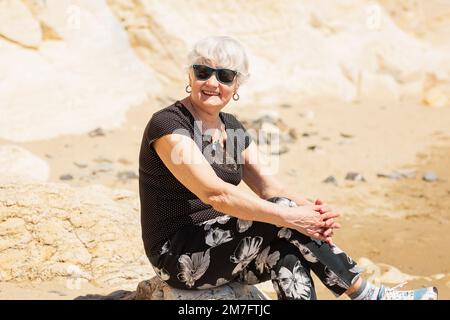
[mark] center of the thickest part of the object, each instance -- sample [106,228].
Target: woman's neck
[209,120]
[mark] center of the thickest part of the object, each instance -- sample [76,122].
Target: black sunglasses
[203,73]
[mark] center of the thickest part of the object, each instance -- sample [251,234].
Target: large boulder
[17,163]
[155,289]
[355,50]
[66,67]
[52,230]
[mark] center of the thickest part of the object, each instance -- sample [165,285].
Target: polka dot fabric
[166,204]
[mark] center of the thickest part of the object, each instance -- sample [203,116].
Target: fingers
[321,208]
[318,236]
[328,233]
[329,223]
[329,215]
[318,202]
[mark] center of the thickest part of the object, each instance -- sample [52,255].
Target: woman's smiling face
[210,94]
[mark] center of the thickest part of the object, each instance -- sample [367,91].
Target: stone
[429,176]
[66,177]
[354,176]
[17,24]
[21,163]
[53,230]
[392,55]
[155,289]
[127,175]
[330,179]
[398,174]
[96,133]
[80,165]
[435,97]
[83,67]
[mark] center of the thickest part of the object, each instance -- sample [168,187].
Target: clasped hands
[328,216]
[316,220]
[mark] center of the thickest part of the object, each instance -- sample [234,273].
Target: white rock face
[351,50]
[65,67]
[15,18]
[50,230]
[17,162]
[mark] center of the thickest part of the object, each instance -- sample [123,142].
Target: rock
[379,273]
[53,230]
[65,61]
[435,97]
[70,56]
[103,167]
[127,175]
[271,134]
[309,134]
[155,289]
[385,85]
[116,295]
[398,174]
[330,179]
[80,165]
[346,135]
[354,176]
[124,161]
[66,177]
[429,176]
[17,24]
[18,162]
[96,133]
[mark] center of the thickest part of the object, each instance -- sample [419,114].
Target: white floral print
[243,225]
[307,254]
[266,261]
[245,252]
[285,233]
[221,219]
[219,282]
[295,284]
[216,236]
[162,273]
[165,248]
[332,279]
[336,250]
[192,268]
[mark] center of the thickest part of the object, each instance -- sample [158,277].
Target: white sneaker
[430,293]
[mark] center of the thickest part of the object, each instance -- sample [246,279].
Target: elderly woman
[200,230]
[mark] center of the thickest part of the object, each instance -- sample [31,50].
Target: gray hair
[226,52]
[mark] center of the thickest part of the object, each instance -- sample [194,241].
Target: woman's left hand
[330,224]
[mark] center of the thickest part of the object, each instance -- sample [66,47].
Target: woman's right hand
[308,220]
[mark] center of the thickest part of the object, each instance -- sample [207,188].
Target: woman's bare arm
[183,158]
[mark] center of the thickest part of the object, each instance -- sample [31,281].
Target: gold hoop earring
[236,96]
[187,88]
